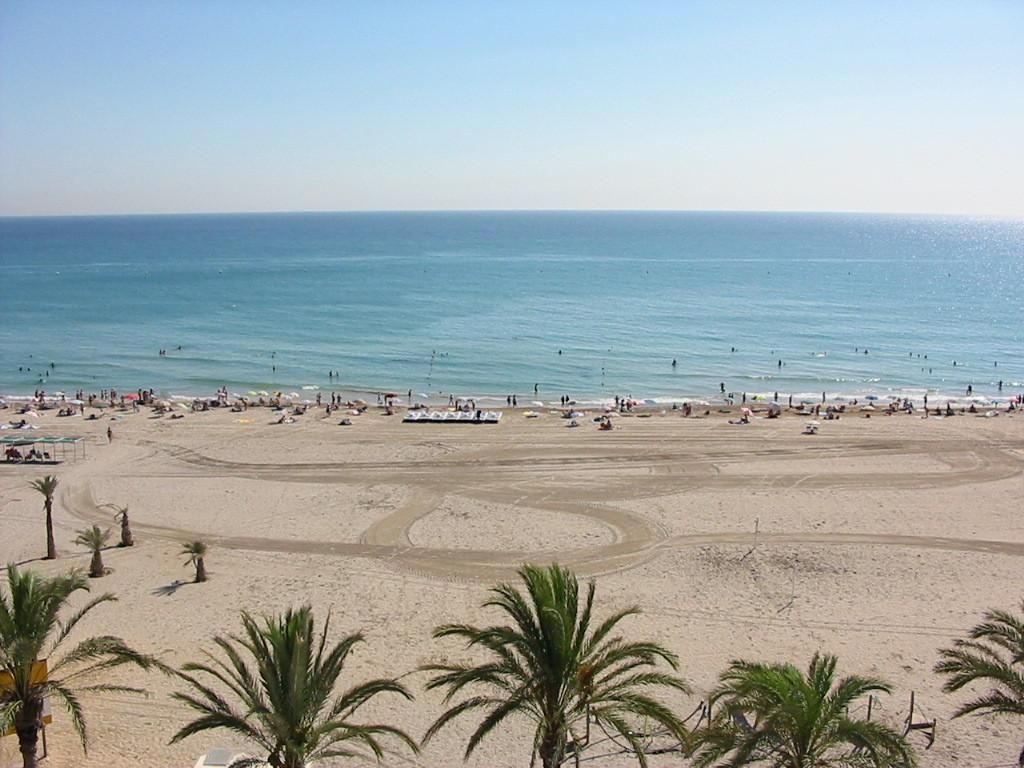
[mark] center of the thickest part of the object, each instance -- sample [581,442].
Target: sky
[240,105]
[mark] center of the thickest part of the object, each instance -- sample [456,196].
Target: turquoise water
[482,304]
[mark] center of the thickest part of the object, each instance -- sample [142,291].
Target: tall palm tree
[798,720]
[287,703]
[95,539]
[48,486]
[992,654]
[550,665]
[196,551]
[121,516]
[31,631]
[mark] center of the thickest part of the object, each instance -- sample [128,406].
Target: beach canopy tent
[46,445]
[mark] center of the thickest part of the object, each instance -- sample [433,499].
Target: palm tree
[993,654]
[95,539]
[799,721]
[48,486]
[551,666]
[196,551]
[30,631]
[287,702]
[121,516]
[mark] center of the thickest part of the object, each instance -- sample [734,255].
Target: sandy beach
[876,539]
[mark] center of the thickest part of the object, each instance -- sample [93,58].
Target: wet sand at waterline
[879,540]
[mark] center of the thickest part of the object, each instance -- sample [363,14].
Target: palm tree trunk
[27,727]
[126,534]
[200,570]
[552,749]
[51,546]
[96,568]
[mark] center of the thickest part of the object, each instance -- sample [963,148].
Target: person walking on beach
[536,388]
[515,402]
[110,435]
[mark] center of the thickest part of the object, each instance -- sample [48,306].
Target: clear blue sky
[251,105]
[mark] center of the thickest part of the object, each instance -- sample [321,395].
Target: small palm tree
[48,487]
[121,516]
[551,666]
[799,721]
[288,706]
[31,631]
[95,539]
[993,654]
[196,551]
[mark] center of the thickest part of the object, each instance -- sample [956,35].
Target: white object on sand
[218,757]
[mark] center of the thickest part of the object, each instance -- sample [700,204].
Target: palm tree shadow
[169,589]
[30,560]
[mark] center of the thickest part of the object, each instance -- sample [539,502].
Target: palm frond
[799,718]
[549,666]
[284,674]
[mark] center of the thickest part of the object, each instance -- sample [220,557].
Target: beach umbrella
[358,401]
[184,406]
[33,414]
[77,402]
[746,412]
[131,396]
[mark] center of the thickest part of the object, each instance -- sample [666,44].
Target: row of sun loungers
[452,417]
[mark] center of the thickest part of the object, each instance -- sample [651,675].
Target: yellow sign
[37,676]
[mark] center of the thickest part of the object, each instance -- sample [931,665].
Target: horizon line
[325,211]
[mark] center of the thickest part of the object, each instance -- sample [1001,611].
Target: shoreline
[1014,393]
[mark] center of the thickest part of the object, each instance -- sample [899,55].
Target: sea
[657,306]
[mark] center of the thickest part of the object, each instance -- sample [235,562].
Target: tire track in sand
[636,542]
